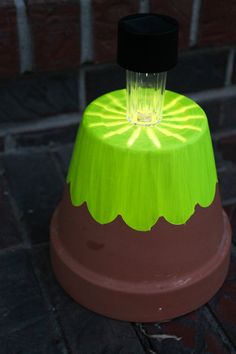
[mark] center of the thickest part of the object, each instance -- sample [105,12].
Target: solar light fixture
[140,233]
[147,49]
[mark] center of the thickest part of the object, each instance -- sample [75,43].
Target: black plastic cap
[147,43]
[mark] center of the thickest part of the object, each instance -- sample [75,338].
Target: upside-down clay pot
[140,276]
[119,243]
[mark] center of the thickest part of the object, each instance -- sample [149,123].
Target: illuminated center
[182,120]
[145,97]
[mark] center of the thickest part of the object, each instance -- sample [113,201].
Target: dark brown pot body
[140,276]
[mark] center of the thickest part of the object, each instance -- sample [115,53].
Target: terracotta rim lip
[148,288]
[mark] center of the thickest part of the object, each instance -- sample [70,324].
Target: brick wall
[58,55]
[55,57]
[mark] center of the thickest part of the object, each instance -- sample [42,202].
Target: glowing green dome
[142,172]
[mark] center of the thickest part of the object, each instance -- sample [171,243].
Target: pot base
[140,276]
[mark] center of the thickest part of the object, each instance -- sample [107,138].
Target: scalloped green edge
[138,172]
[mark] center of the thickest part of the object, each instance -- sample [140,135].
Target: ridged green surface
[142,173]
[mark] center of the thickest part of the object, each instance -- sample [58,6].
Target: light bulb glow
[145,97]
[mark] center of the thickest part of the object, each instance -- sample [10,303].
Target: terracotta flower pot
[170,255]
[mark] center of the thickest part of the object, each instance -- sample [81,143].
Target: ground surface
[36,316]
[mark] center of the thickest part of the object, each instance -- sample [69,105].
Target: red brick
[217,22]
[56,33]
[106,16]
[179,9]
[9,52]
[214,344]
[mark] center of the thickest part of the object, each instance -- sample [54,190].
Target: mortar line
[86,30]
[229,201]
[24,37]
[213,94]
[217,327]
[58,166]
[144,6]
[230,67]
[9,143]
[52,309]
[14,248]
[23,325]
[57,121]
[145,343]
[21,224]
[86,46]
[82,88]
[194,25]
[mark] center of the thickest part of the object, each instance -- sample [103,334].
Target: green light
[180,110]
[134,136]
[168,132]
[186,126]
[117,131]
[145,97]
[142,172]
[182,119]
[152,136]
